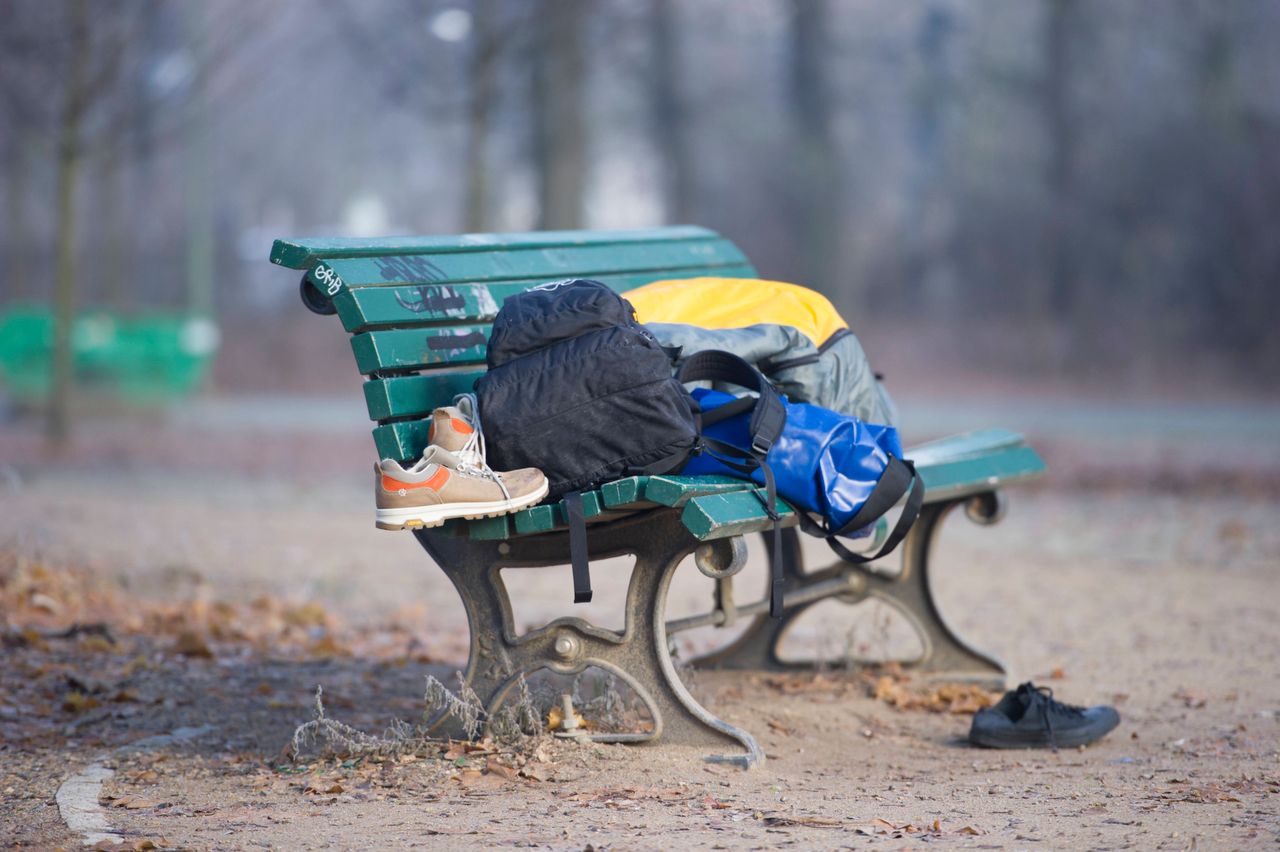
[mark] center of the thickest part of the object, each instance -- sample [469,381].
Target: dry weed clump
[515,728]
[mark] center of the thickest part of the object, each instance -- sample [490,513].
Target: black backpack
[579,389]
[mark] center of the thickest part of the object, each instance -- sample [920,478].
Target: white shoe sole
[425,517]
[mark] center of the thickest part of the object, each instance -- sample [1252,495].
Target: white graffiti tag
[325,277]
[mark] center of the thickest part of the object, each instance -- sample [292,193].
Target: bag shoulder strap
[899,478]
[768,417]
[578,555]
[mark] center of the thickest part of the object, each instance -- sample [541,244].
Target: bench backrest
[419,308]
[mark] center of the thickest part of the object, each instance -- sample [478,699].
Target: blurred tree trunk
[69,154]
[18,264]
[480,106]
[559,141]
[928,230]
[668,116]
[115,222]
[821,172]
[200,224]
[1059,32]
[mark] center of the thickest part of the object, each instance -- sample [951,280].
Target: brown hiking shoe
[451,427]
[442,486]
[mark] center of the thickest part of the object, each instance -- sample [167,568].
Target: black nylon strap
[727,455]
[776,604]
[729,409]
[578,547]
[898,477]
[768,417]
[666,464]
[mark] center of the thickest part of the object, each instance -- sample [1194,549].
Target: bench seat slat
[719,506]
[362,308]
[303,252]
[947,480]
[677,490]
[537,519]
[414,348]
[739,512]
[624,493]
[964,445]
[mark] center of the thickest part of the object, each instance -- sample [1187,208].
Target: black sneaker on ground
[1028,717]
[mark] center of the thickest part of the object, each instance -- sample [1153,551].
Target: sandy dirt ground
[216,586]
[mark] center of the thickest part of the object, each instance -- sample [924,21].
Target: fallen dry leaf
[555,718]
[810,821]
[954,698]
[133,803]
[192,644]
[97,644]
[1210,794]
[319,785]
[778,727]
[1192,698]
[77,702]
[496,767]
[45,603]
[536,771]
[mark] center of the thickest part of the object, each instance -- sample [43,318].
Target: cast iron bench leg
[639,656]
[944,654]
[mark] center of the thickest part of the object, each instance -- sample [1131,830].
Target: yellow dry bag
[737,303]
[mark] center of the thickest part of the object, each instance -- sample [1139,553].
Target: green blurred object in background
[147,359]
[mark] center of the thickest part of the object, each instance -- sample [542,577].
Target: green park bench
[418,310]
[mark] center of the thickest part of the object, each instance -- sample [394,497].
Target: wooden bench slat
[946,480]
[624,493]
[303,252]
[537,519]
[542,264]
[401,441]
[490,529]
[677,490]
[414,348]
[363,308]
[418,395]
[383,307]
[736,513]
[964,445]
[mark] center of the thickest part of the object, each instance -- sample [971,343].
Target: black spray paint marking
[409,268]
[457,341]
[433,298]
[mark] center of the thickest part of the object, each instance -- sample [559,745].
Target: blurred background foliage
[1074,188]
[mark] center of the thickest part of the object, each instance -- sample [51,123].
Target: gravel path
[1147,594]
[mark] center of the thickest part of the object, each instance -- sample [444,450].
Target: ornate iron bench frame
[418,310]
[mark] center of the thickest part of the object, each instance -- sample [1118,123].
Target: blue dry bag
[825,464]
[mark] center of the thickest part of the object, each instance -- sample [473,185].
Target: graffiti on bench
[409,268]
[432,298]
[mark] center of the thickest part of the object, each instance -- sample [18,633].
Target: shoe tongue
[436,454]
[465,405]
